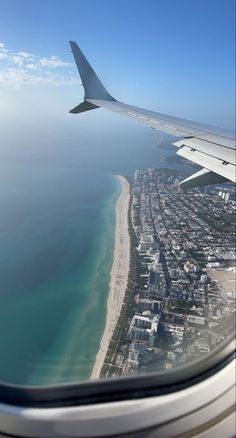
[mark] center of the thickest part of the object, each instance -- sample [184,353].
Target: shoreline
[118,275]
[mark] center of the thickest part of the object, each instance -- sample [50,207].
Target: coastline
[118,275]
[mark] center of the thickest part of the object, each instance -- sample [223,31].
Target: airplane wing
[209,147]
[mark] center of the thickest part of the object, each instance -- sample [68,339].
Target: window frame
[124,387]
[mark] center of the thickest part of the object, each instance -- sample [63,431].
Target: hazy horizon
[172,57]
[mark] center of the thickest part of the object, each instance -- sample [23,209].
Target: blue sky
[173,56]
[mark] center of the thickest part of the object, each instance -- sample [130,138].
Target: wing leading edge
[211,148]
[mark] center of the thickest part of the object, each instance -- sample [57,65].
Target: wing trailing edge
[203,177]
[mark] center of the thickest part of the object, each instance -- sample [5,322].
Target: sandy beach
[119,275]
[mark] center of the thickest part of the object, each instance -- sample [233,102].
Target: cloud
[17,60]
[32,67]
[25,55]
[3,55]
[3,49]
[53,62]
[18,77]
[23,68]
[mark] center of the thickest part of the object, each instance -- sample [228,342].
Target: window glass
[107,267]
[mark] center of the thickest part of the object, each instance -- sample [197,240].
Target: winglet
[93,87]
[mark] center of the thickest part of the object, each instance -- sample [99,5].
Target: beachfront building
[145,304]
[144,329]
[133,357]
[154,277]
[147,241]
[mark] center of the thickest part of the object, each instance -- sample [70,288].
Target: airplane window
[109,267]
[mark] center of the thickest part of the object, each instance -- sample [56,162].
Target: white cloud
[23,68]
[25,55]
[17,77]
[32,66]
[3,48]
[3,55]
[53,62]
[17,60]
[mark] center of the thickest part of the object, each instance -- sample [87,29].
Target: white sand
[119,275]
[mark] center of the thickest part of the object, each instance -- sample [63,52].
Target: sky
[172,56]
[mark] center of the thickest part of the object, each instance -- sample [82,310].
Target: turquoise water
[56,251]
[57,223]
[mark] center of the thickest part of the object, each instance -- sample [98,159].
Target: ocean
[57,224]
[57,238]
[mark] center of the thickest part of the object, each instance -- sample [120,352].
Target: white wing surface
[209,147]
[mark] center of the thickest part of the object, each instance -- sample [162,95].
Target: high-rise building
[227,195]
[154,277]
[204,278]
[144,329]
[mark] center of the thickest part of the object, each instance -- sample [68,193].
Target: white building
[196,320]
[227,195]
[204,278]
[133,357]
[143,328]
[174,330]
[147,241]
[213,265]
[152,305]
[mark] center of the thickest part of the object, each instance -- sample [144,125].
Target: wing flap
[202,178]
[225,169]
[210,149]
